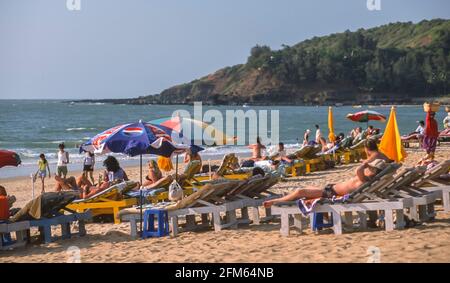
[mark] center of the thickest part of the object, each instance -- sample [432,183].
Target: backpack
[175,191]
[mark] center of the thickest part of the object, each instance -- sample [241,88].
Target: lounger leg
[337,223]
[244,215]
[190,222]
[205,221]
[217,221]
[174,224]
[65,231]
[423,215]
[298,222]
[284,224]
[389,219]
[446,200]
[413,213]
[116,215]
[255,212]
[362,220]
[268,213]
[400,224]
[430,211]
[133,228]
[46,232]
[231,218]
[348,219]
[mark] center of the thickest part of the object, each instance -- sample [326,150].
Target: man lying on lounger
[374,164]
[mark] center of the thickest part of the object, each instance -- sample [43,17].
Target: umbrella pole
[140,192]
[176,169]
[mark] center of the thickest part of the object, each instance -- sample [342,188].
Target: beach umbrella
[134,139]
[9,158]
[366,116]
[177,124]
[331,135]
[391,144]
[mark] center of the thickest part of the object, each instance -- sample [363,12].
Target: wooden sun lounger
[208,200]
[359,201]
[419,202]
[45,224]
[20,229]
[430,182]
[109,201]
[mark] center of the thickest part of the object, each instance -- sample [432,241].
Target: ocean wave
[79,129]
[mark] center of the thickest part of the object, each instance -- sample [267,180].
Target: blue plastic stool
[149,229]
[318,223]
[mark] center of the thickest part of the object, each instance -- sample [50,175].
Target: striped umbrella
[9,158]
[366,116]
[180,125]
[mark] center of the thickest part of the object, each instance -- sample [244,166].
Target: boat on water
[357,106]
[339,104]
[245,105]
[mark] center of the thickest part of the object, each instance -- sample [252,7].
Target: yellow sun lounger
[109,201]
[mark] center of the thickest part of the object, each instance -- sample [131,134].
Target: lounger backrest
[110,192]
[224,166]
[377,182]
[436,171]
[303,151]
[193,167]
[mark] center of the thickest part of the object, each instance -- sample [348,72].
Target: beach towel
[307,206]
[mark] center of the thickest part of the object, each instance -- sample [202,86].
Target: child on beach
[42,170]
[88,165]
[430,138]
[63,160]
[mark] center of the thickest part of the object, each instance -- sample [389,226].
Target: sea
[32,127]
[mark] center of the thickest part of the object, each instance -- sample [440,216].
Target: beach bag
[165,164]
[175,191]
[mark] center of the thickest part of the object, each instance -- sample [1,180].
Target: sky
[121,49]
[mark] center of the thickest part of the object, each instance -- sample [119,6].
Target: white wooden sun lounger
[361,201]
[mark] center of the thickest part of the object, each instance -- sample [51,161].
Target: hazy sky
[127,48]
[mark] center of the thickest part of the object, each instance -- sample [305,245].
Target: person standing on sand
[306,137]
[256,150]
[42,170]
[318,134]
[63,160]
[430,137]
[88,165]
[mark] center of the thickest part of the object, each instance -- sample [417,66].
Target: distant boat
[357,106]
[339,104]
[245,105]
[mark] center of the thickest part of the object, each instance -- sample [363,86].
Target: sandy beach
[428,242]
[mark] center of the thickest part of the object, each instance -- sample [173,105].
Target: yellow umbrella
[331,135]
[391,144]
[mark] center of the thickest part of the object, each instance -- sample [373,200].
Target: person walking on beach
[42,170]
[430,138]
[306,137]
[318,134]
[63,160]
[256,150]
[88,166]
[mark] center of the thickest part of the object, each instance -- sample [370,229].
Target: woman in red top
[430,138]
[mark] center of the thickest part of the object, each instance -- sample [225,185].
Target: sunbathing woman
[362,174]
[113,174]
[71,183]
[154,174]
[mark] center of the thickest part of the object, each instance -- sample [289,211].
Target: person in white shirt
[63,160]
[447,121]
[421,128]
[88,166]
[318,134]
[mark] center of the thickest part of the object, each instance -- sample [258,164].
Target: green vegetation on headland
[398,62]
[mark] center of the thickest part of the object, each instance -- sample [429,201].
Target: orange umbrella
[391,143]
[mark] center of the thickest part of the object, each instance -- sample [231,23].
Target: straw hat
[378,164]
